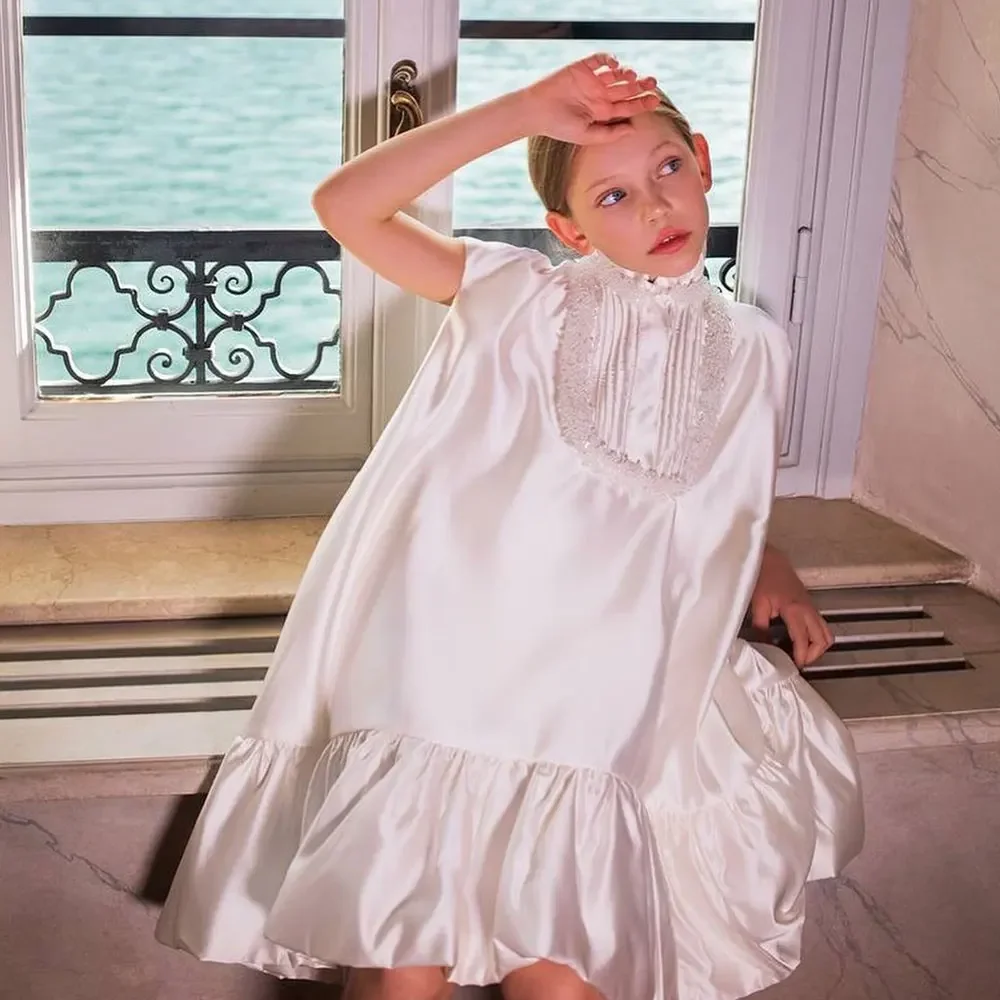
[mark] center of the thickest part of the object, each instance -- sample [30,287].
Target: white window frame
[425,31]
[817,199]
[176,457]
[821,157]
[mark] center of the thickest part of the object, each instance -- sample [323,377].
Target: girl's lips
[672,242]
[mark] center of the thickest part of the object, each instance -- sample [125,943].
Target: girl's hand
[589,101]
[780,593]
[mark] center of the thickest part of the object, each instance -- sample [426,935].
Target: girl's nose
[655,208]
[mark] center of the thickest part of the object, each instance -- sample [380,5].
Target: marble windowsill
[130,572]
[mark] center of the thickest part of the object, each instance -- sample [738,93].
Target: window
[178,339]
[802,182]
[169,177]
[702,55]
[188,327]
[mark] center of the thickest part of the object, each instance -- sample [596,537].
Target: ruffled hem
[738,866]
[533,860]
[309,859]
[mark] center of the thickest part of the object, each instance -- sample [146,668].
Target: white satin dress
[509,717]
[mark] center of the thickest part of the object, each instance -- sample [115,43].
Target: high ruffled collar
[694,280]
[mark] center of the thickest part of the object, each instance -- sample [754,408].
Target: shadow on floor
[169,851]
[160,874]
[287,989]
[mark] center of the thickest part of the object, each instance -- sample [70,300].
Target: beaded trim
[577,384]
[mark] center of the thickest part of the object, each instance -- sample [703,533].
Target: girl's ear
[704,158]
[568,232]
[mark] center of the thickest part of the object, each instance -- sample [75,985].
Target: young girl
[510,734]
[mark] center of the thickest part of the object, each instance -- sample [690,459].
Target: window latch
[405,112]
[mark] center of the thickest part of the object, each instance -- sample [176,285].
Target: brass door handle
[405,112]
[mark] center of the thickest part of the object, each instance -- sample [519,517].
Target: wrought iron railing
[183,345]
[201,275]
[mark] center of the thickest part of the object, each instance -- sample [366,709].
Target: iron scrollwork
[186,351]
[727,276]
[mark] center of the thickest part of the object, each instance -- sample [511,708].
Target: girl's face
[640,199]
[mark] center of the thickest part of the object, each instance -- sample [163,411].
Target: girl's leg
[547,981]
[397,984]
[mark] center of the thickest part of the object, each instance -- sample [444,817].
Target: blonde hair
[550,160]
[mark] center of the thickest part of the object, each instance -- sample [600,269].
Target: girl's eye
[670,166]
[611,198]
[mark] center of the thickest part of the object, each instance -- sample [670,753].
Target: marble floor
[914,918]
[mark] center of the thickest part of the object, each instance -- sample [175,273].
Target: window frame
[175,456]
[814,245]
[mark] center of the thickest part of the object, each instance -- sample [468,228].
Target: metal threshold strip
[868,644]
[176,689]
[876,638]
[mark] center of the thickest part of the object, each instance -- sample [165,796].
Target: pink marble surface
[914,918]
[929,454]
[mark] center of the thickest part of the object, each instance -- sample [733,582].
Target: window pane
[710,81]
[157,134]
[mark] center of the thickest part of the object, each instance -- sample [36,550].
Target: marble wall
[914,918]
[930,447]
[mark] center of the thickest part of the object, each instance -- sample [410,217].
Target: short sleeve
[764,347]
[500,269]
[758,327]
[779,345]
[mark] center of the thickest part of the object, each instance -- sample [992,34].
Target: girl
[510,733]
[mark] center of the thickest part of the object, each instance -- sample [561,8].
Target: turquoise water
[183,133]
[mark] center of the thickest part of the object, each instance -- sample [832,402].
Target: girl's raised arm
[362,204]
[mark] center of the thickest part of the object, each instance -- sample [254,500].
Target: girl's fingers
[625,89]
[633,90]
[819,631]
[610,71]
[616,93]
[632,106]
[619,76]
[801,643]
[816,649]
[627,78]
[631,78]
[600,60]
[805,630]
[820,638]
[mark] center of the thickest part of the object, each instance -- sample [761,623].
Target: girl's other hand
[589,101]
[781,594]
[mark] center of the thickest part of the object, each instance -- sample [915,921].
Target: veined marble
[913,918]
[930,445]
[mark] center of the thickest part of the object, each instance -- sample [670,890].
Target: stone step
[836,543]
[208,569]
